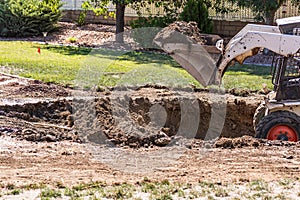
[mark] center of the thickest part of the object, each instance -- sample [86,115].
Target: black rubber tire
[278,118]
[259,114]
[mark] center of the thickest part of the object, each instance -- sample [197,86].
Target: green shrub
[81,18]
[145,29]
[72,39]
[28,17]
[197,11]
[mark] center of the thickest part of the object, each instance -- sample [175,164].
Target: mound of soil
[248,141]
[178,31]
[18,87]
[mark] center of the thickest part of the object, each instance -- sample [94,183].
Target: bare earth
[23,163]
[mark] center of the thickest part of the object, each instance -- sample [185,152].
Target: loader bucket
[199,60]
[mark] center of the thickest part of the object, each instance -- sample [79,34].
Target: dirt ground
[25,162]
[40,142]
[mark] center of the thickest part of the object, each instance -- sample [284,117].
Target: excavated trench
[143,117]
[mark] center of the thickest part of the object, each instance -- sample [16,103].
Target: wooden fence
[240,15]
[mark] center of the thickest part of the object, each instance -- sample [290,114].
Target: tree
[100,8]
[197,10]
[265,9]
[120,21]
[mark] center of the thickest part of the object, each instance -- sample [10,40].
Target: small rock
[163,141]
[288,156]
[49,138]
[133,145]
[166,130]
[30,137]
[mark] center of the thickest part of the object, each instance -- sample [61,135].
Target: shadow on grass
[67,50]
[149,57]
[263,71]
[134,56]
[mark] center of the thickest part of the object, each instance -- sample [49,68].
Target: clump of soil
[243,141]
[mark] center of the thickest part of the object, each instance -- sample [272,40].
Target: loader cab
[286,78]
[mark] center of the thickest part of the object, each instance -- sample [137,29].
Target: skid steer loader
[278,117]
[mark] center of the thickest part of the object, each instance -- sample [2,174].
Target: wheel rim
[282,132]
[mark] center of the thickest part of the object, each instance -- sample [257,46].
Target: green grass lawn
[88,67]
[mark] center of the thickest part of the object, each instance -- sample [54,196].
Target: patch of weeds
[210,197]
[85,186]
[194,194]
[148,187]
[32,186]
[280,196]
[146,179]
[221,192]
[10,186]
[15,192]
[261,196]
[286,183]
[257,195]
[50,193]
[71,193]
[79,187]
[165,182]
[259,185]
[204,192]
[60,185]
[181,193]
[123,191]
[207,184]
[164,197]
[267,197]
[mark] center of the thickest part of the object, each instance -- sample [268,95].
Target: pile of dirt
[180,32]
[243,141]
[248,141]
[18,87]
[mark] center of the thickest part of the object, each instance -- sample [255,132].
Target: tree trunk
[270,15]
[120,13]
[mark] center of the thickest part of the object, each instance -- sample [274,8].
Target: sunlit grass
[102,67]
